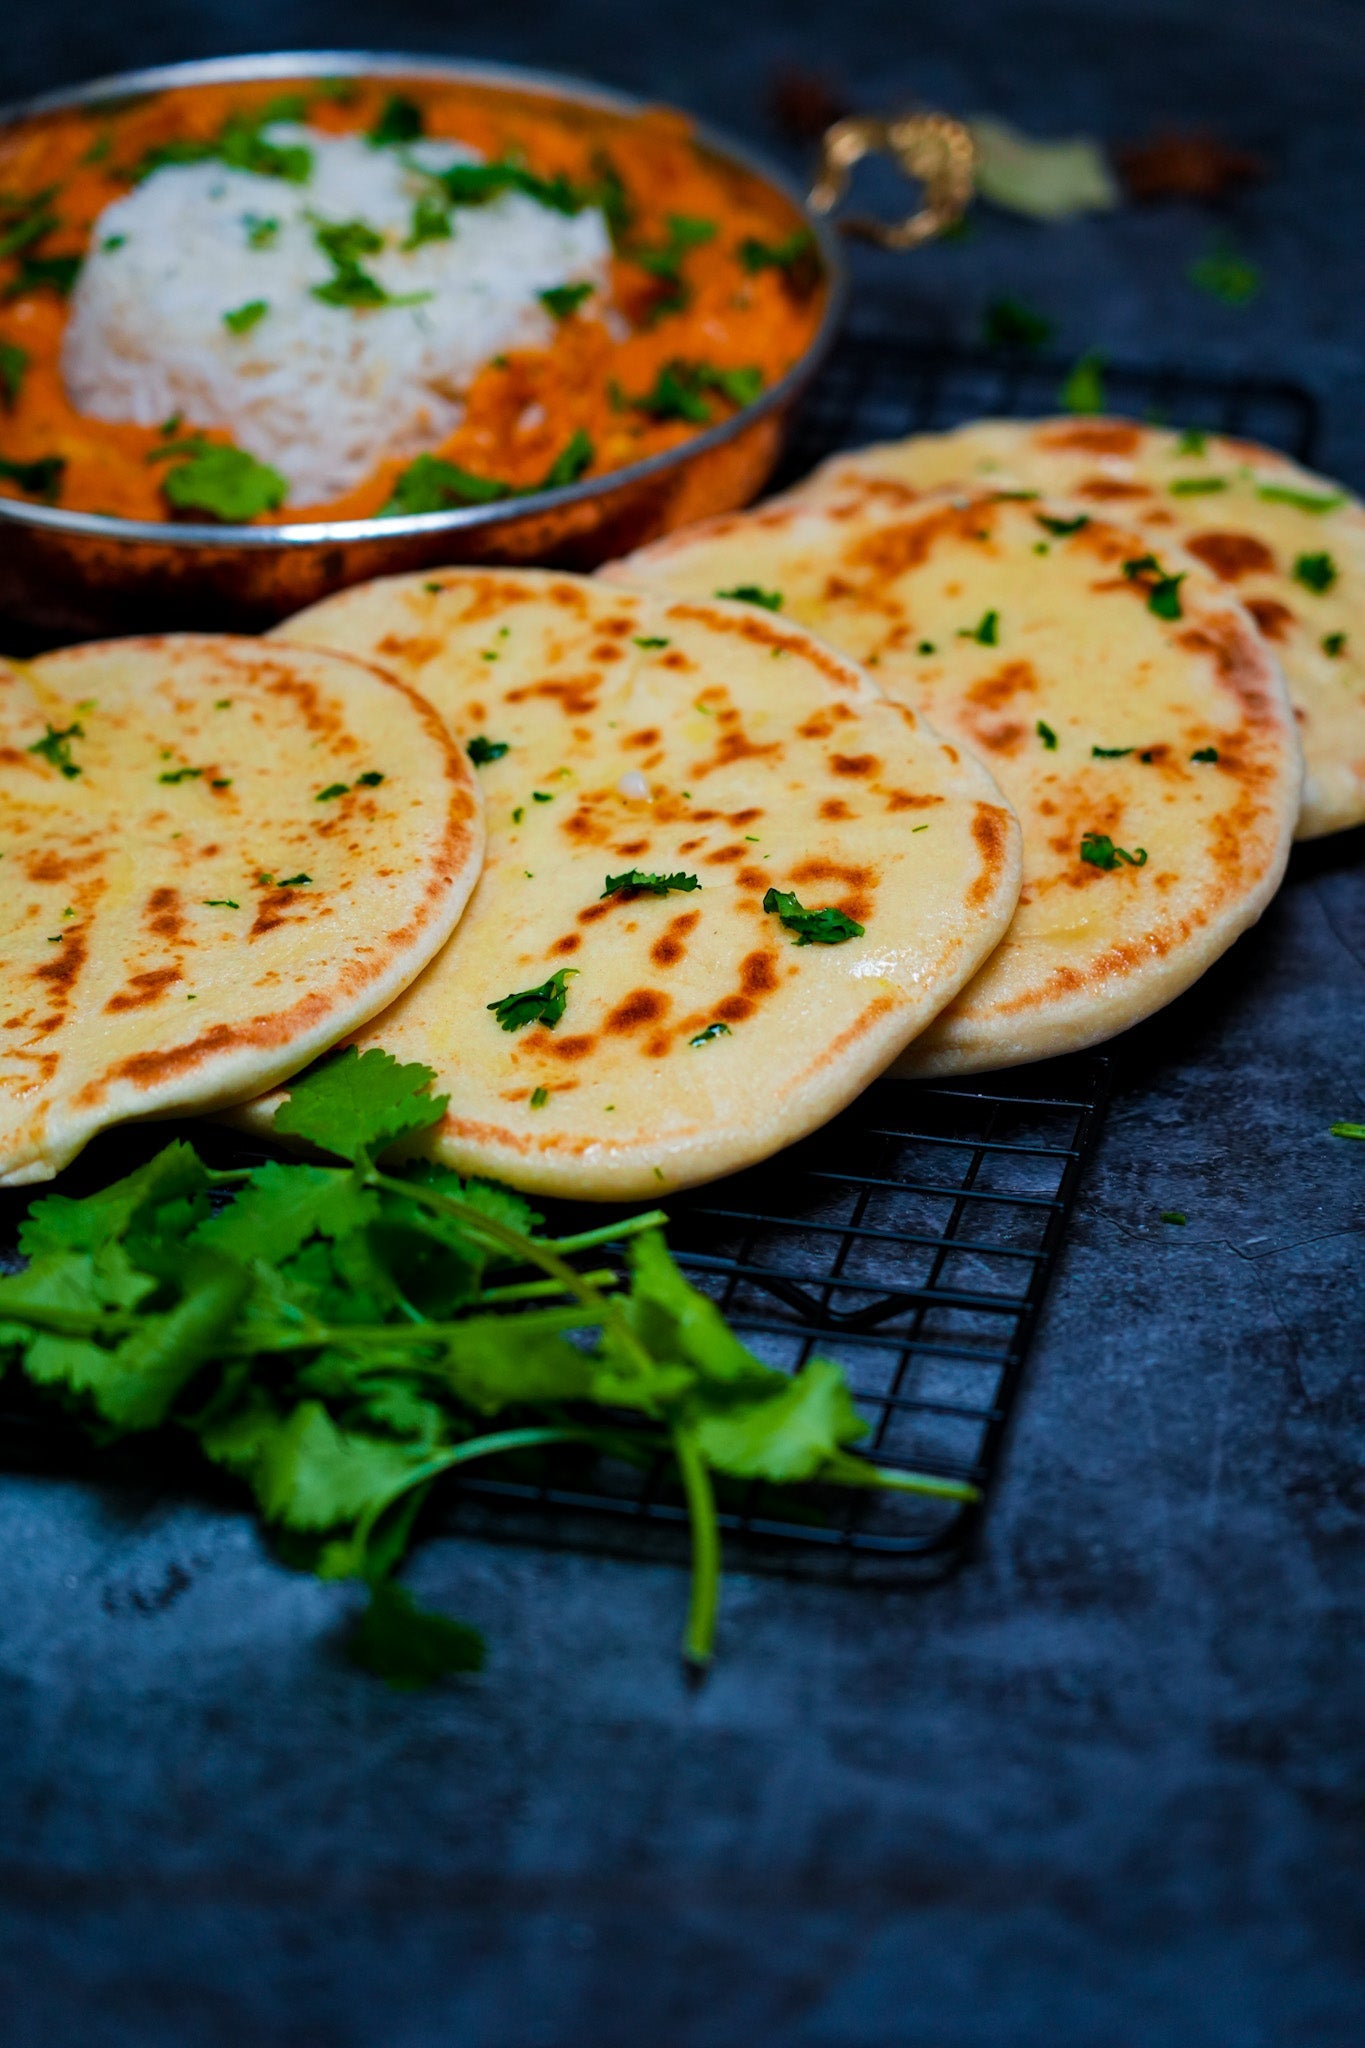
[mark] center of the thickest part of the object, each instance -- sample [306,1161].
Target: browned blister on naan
[703,741]
[1128,709]
[1290,545]
[217,857]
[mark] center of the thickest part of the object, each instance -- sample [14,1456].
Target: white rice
[321,392]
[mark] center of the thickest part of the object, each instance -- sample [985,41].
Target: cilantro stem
[528,1250]
[609,1233]
[699,1636]
[845,1470]
[537,1290]
[464,1454]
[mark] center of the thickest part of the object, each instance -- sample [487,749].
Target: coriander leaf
[679,1325]
[826,927]
[430,484]
[1204,754]
[1046,735]
[357,1104]
[711,1031]
[541,1005]
[64,1223]
[678,390]
[786,1435]
[307,1473]
[986,632]
[573,458]
[796,258]
[1009,323]
[39,479]
[1315,572]
[43,273]
[1100,851]
[1333,644]
[481,751]
[636,880]
[1197,486]
[55,748]
[477,184]
[1192,442]
[243,318]
[280,1207]
[227,483]
[1083,390]
[1163,591]
[563,300]
[1109,753]
[409,1646]
[1225,275]
[750,593]
[1062,527]
[430,222]
[261,230]
[14,362]
[400,120]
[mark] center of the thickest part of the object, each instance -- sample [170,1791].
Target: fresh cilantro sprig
[338,1337]
[544,1004]
[41,478]
[431,484]
[225,482]
[1099,851]
[1163,591]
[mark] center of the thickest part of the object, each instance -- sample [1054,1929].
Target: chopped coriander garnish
[333,789]
[243,318]
[1083,390]
[1174,1216]
[1197,486]
[649,641]
[1046,735]
[986,631]
[539,1097]
[1226,276]
[1009,323]
[225,482]
[926,647]
[1347,1130]
[1334,644]
[40,479]
[1109,753]
[180,775]
[751,593]
[481,751]
[542,796]
[26,219]
[431,484]
[518,814]
[262,230]
[1192,442]
[55,747]
[679,390]
[477,184]
[1303,501]
[664,260]
[1315,572]
[542,1005]
[563,300]
[343,243]
[1062,527]
[14,362]
[430,222]
[824,927]
[1163,591]
[241,145]
[796,257]
[638,882]
[220,903]
[400,120]
[293,881]
[1100,851]
[1204,754]
[573,458]
[712,1031]
[43,273]
[111,243]
[371,779]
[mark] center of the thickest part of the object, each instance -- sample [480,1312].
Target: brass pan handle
[931,148]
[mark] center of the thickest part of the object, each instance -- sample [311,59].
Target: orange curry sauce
[522,410]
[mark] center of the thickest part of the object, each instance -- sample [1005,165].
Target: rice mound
[321,392]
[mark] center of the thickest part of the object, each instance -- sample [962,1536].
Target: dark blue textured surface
[1105,1789]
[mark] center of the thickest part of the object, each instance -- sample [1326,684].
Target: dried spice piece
[1190,165]
[804,103]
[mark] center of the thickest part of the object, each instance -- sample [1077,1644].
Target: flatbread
[1249,514]
[704,740]
[186,914]
[1034,648]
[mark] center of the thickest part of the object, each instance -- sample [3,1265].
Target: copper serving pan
[70,574]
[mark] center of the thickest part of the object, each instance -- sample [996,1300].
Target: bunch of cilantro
[338,1337]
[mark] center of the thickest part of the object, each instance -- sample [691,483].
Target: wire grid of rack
[914,1237]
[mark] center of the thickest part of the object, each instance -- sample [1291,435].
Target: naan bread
[1015,628]
[684,740]
[218,856]
[1289,544]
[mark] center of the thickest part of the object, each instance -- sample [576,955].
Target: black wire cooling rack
[914,1238]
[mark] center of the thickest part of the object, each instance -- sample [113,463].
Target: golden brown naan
[217,857]
[693,740]
[1289,544]
[1034,636]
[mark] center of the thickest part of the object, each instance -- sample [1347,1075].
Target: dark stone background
[1104,1790]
